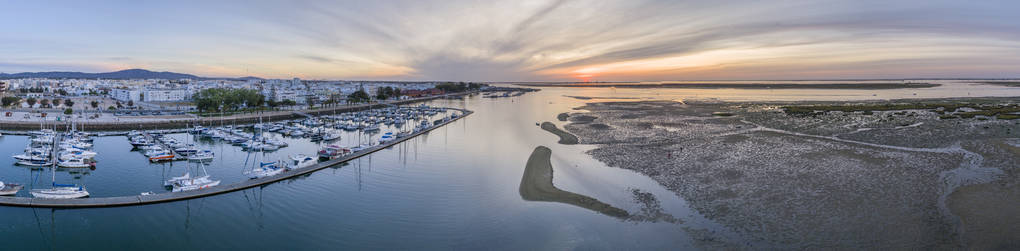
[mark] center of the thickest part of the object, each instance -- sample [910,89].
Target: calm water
[456,187]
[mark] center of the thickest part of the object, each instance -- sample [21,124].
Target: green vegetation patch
[940,108]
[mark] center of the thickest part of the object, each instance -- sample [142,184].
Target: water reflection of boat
[37,163]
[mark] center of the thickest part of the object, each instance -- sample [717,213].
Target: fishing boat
[7,189]
[301,161]
[333,151]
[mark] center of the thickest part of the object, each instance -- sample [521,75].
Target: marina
[159,148]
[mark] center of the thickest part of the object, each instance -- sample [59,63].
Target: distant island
[862,85]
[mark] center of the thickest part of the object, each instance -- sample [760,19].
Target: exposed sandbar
[537,185]
[565,137]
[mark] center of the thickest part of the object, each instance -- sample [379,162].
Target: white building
[166,95]
[125,95]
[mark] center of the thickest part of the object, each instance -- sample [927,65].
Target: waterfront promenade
[108,123]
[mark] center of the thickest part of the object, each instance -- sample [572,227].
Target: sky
[521,40]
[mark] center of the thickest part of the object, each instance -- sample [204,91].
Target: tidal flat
[818,175]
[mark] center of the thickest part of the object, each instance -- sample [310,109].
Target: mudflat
[847,175]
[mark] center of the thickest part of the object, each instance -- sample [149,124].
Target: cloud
[515,40]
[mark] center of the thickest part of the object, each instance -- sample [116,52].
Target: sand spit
[537,185]
[562,116]
[565,137]
[877,180]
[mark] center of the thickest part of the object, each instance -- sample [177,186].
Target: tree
[68,103]
[62,92]
[68,111]
[111,108]
[131,103]
[94,104]
[57,102]
[359,96]
[44,103]
[30,101]
[219,99]
[458,87]
[8,101]
[119,105]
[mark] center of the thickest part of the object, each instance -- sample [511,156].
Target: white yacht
[301,161]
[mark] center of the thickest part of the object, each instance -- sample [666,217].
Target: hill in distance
[123,74]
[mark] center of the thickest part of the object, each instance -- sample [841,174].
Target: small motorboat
[265,169]
[162,157]
[203,155]
[74,163]
[7,189]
